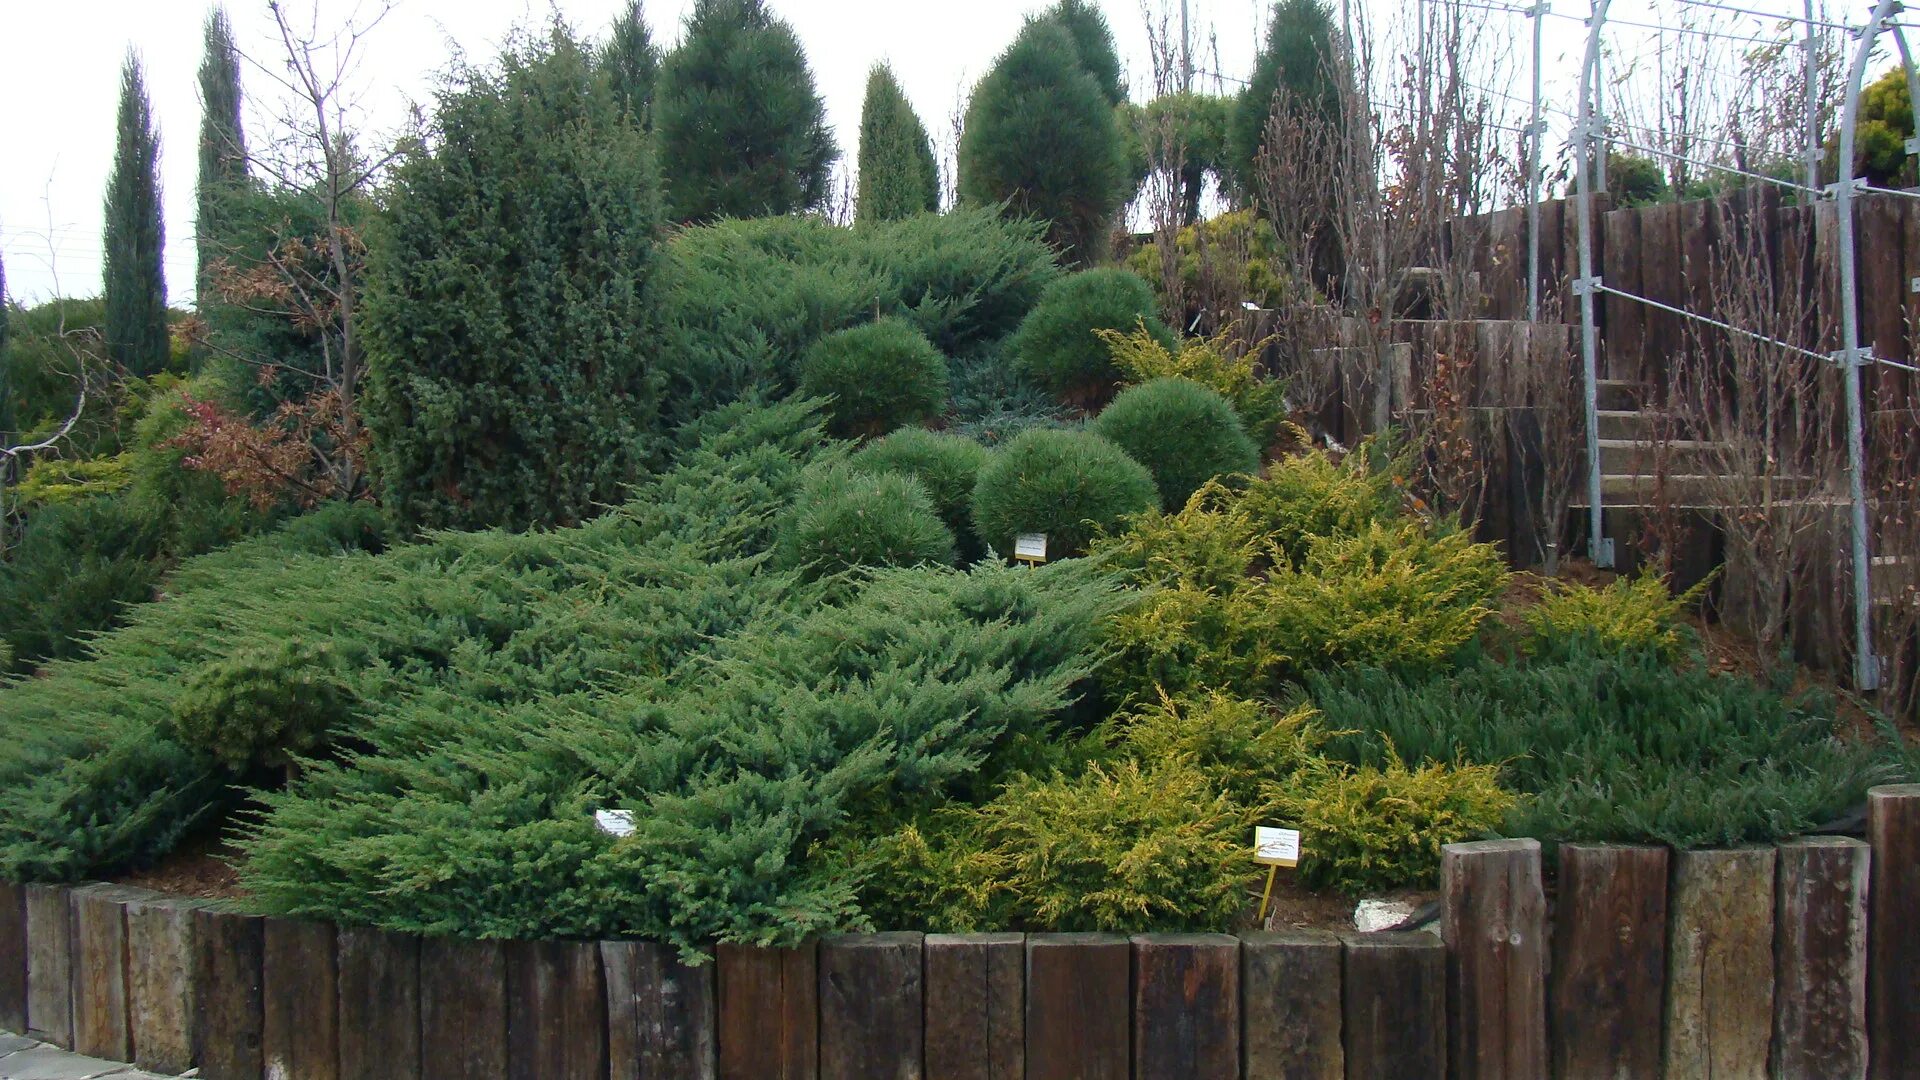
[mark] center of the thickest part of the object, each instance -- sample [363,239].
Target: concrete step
[1626,423]
[1896,580]
[1627,457]
[1618,395]
[1694,491]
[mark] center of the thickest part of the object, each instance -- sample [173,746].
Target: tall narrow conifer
[135,285]
[898,175]
[632,64]
[223,144]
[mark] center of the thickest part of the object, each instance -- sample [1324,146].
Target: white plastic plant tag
[614,822]
[1276,847]
[1030,547]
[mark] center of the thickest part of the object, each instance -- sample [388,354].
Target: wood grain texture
[379,986]
[100,1024]
[872,1007]
[1893,934]
[1494,922]
[1186,1006]
[1719,1002]
[13,957]
[976,1021]
[1820,947]
[1394,1006]
[1078,997]
[556,1011]
[1609,961]
[660,1013]
[299,998]
[160,982]
[1290,1004]
[49,965]
[463,1009]
[228,948]
[769,1012]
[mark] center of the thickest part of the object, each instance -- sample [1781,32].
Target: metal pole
[1534,137]
[1866,667]
[1186,49]
[1811,45]
[1599,548]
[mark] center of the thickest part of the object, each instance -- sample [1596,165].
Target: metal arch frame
[1599,546]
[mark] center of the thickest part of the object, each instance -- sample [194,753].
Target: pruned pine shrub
[1058,345]
[846,518]
[1184,433]
[881,375]
[1070,485]
[947,465]
[1628,614]
[1375,828]
[264,705]
[1259,401]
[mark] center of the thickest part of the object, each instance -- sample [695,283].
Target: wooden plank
[463,1009]
[227,959]
[1290,1006]
[379,980]
[1494,920]
[556,1011]
[1609,961]
[1393,1003]
[160,983]
[769,1012]
[1893,944]
[1077,1006]
[13,957]
[1660,278]
[660,1013]
[49,966]
[1909,271]
[299,999]
[1719,1002]
[1186,1006]
[1554,257]
[1820,948]
[1883,291]
[1623,348]
[100,1026]
[871,1007]
[976,1022]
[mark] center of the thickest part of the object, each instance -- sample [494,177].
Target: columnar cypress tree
[632,64]
[6,374]
[1042,135]
[743,132]
[1300,58]
[136,288]
[508,318]
[223,145]
[898,174]
[1091,35]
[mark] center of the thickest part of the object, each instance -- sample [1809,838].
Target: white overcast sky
[60,62]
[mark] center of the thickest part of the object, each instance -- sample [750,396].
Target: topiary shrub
[881,375]
[263,705]
[1069,485]
[1056,345]
[846,518]
[946,465]
[1184,433]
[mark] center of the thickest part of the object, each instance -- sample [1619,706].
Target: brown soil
[199,866]
[1294,907]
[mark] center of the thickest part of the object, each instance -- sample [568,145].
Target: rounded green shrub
[946,465]
[1184,433]
[1056,345]
[881,375]
[846,518]
[1066,484]
[263,705]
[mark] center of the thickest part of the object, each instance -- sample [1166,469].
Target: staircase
[1630,442]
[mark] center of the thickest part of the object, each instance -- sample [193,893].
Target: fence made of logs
[1800,959]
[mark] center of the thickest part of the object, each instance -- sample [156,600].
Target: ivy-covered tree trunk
[136,288]
[898,174]
[223,148]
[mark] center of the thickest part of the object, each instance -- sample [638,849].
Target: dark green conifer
[1301,57]
[898,175]
[1091,35]
[135,285]
[632,64]
[223,145]
[743,132]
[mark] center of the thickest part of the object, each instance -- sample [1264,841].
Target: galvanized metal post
[1866,666]
[1536,132]
[1587,132]
[1812,58]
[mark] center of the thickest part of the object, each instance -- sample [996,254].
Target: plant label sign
[615,823]
[1030,548]
[1276,847]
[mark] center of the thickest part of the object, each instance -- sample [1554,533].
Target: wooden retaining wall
[1797,960]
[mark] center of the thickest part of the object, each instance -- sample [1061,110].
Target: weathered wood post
[872,1012]
[1609,961]
[100,1022]
[1820,947]
[1186,1006]
[160,984]
[556,1011]
[1719,1003]
[1893,934]
[1290,1002]
[976,1001]
[379,979]
[1494,921]
[1394,1005]
[463,1009]
[228,947]
[49,965]
[1078,998]
[13,957]
[769,1012]
[660,1013]
[299,999]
